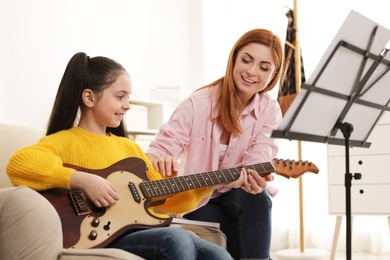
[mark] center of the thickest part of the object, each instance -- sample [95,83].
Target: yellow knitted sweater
[40,166]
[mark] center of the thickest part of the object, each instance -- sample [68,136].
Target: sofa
[30,227]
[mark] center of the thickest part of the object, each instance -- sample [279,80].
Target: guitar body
[86,226]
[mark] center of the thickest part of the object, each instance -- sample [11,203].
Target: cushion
[211,234]
[12,138]
[98,254]
[30,227]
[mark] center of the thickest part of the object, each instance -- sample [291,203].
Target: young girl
[221,125]
[99,89]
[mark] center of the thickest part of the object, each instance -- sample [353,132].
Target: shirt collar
[253,106]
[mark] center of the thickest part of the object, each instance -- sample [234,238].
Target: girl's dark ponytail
[68,99]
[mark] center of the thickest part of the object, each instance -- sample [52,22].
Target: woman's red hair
[229,102]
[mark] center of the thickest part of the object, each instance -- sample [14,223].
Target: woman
[225,124]
[99,88]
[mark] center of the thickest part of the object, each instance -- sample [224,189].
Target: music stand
[348,91]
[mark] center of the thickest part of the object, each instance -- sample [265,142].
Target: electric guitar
[87,226]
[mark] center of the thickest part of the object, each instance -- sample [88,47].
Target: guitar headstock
[292,168]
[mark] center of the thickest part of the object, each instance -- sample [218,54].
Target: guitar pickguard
[128,213]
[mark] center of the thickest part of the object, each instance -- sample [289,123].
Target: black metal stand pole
[347,129]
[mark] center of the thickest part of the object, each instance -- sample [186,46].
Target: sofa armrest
[30,227]
[97,254]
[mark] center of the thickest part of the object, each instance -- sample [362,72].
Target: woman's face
[253,70]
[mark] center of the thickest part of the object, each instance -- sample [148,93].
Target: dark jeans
[244,218]
[170,243]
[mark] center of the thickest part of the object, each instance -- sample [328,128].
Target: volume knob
[95,222]
[93,235]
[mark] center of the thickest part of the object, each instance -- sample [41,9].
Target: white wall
[171,43]
[150,38]
[161,43]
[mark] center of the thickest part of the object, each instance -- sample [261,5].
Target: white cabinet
[145,118]
[368,192]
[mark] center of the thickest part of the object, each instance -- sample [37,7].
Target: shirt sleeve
[38,167]
[174,135]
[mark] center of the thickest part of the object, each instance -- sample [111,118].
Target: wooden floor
[361,256]
[342,256]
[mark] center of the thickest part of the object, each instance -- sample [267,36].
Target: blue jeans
[244,218]
[170,243]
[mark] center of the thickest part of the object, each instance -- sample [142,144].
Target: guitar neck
[163,187]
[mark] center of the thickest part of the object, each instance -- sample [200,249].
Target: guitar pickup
[134,192]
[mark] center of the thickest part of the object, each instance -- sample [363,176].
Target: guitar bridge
[79,202]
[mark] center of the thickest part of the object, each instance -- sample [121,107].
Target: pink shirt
[192,136]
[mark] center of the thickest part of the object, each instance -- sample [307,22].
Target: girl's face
[253,70]
[113,102]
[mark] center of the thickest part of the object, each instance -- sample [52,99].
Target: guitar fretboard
[172,185]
